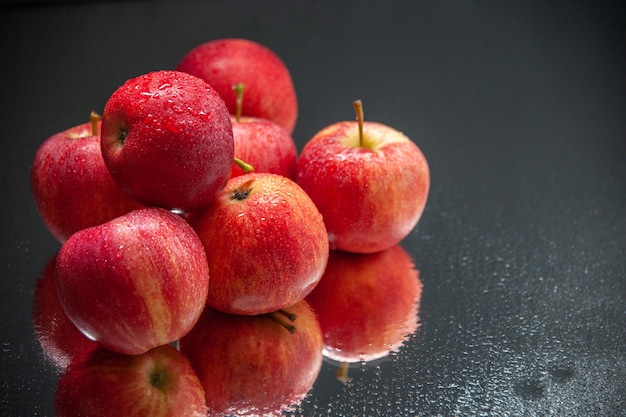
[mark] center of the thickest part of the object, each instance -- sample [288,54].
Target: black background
[519,107]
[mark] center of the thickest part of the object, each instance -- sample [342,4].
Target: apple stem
[342,373]
[243,165]
[278,317]
[358,108]
[94,118]
[291,316]
[239,87]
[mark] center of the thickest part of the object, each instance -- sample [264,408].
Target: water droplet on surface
[561,374]
[530,390]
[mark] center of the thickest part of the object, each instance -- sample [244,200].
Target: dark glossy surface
[519,108]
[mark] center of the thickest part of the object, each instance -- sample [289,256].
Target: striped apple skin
[371,195]
[266,244]
[136,282]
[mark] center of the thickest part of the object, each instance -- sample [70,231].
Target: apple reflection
[248,365]
[255,365]
[364,307]
[59,338]
[367,304]
[101,382]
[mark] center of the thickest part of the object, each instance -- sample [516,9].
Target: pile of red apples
[205,266]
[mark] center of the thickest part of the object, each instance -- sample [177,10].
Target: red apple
[262,143]
[369,181]
[265,242]
[59,338]
[167,140]
[71,186]
[367,304]
[226,62]
[135,282]
[103,383]
[252,365]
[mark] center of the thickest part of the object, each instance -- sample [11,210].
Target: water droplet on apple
[174,106]
[203,116]
[170,125]
[164,86]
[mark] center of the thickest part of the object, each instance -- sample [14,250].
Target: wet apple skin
[265,145]
[71,185]
[265,252]
[134,283]
[371,197]
[167,140]
[270,91]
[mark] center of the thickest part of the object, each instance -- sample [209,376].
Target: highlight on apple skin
[136,282]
